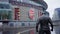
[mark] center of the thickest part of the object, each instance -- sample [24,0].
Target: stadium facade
[21,10]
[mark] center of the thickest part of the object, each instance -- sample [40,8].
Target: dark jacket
[44,23]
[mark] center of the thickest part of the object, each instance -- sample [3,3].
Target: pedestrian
[44,22]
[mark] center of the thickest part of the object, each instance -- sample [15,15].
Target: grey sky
[52,4]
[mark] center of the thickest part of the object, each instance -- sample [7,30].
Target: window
[5,15]
[4,0]
[59,14]
[4,6]
[19,0]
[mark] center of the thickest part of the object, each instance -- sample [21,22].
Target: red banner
[17,13]
[31,13]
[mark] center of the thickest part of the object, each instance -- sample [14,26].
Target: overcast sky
[52,4]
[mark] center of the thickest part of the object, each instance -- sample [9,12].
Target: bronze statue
[44,22]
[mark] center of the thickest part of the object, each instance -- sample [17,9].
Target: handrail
[24,21]
[16,21]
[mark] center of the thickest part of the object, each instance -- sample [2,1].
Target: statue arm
[38,22]
[50,21]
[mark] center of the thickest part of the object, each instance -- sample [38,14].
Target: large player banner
[17,14]
[31,13]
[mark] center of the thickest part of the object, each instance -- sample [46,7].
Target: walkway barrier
[14,27]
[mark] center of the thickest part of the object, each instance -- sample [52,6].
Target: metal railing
[24,26]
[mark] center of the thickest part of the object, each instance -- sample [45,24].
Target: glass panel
[4,0]
[5,15]
[59,14]
[4,6]
[10,15]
